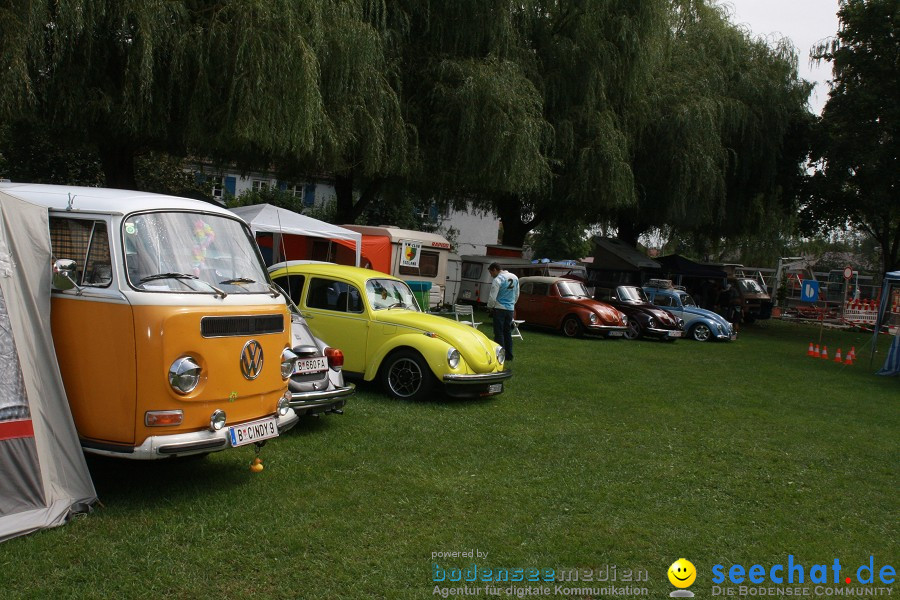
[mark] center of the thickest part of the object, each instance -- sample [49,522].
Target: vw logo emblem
[251,360]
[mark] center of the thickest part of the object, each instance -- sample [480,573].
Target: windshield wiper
[171,275]
[219,292]
[237,280]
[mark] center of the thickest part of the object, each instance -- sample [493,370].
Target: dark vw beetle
[644,319]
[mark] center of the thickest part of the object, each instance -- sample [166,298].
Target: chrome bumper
[476,378]
[180,444]
[606,328]
[311,399]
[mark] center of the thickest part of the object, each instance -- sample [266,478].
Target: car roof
[104,200]
[545,279]
[323,268]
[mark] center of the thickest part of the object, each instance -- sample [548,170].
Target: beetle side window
[292,284]
[329,294]
[663,300]
[87,243]
[541,289]
[526,288]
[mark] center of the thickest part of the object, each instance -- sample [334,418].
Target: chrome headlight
[651,323]
[624,319]
[217,420]
[288,363]
[184,375]
[594,318]
[452,357]
[501,354]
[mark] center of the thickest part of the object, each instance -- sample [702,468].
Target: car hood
[702,312]
[665,318]
[475,347]
[606,312]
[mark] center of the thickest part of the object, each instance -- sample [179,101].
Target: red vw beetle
[565,304]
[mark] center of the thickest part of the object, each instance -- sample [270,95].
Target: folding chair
[515,328]
[465,314]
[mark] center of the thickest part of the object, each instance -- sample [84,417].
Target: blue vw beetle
[700,324]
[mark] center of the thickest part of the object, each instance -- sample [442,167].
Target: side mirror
[64,275]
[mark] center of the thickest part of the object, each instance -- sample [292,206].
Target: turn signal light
[163,418]
[335,358]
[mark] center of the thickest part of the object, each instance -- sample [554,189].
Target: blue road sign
[809,290]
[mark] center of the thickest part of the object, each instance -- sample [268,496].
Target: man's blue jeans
[503,330]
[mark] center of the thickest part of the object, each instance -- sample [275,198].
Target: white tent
[43,475]
[272,219]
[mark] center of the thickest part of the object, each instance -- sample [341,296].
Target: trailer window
[428,265]
[472,270]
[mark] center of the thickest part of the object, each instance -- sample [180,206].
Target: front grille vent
[241,326]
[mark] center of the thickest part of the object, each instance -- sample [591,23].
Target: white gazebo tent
[272,219]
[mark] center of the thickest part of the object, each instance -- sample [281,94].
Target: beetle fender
[433,350]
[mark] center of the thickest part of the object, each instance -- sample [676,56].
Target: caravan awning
[272,219]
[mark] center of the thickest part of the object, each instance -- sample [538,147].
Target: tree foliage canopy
[856,147]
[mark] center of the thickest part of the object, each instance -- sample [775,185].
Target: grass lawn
[599,453]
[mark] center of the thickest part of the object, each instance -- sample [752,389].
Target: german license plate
[254,431]
[616,333]
[674,334]
[495,388]
[311,365]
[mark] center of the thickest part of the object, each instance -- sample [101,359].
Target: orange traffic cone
[825,352]
[837,357]
[852,352]
[811,351]
[850,358]
[816,353]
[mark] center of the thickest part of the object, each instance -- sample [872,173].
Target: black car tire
[572,327]
[701,332]
[634,330]
[406,375]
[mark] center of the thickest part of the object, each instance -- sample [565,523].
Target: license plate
[616,333]
[674,334]
[733,336]
[311,365]
[495,388]
[254,431]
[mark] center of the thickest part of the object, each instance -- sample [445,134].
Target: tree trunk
[349,211]
[509,209]
[118,165]
[628,230]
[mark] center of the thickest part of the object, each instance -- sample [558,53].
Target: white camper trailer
[414,256]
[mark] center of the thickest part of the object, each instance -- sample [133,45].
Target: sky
[805,22]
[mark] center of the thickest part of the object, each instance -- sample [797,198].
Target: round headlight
[501,354]
[284,405]
[452,357]
[184,375]
[288,362]
[651,323]
[624,319]
[594,318]
[217,420]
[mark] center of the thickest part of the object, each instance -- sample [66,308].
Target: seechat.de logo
[682,574]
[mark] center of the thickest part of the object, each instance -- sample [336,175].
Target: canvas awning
[273,219]
[44,478]
[676,264]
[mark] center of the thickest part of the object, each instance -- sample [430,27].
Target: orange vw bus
[170,339]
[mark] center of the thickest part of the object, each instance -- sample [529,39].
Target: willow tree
[856,182]
[718,137]
[519,104]
[129,77]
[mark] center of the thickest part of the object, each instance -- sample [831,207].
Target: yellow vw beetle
[374,318]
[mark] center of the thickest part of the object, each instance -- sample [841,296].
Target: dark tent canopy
[675,264]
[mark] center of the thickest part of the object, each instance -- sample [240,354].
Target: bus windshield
[191,252]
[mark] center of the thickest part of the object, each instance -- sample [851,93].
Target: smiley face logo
[682,573]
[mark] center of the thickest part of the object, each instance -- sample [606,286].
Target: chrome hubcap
[405,377]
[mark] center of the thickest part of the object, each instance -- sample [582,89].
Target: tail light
[335,358]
